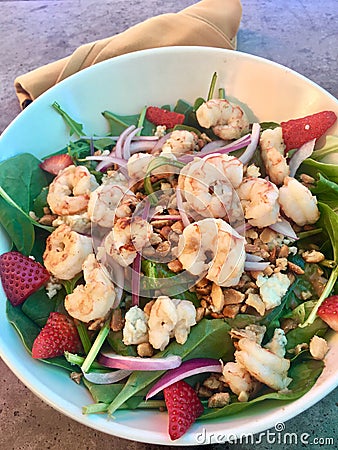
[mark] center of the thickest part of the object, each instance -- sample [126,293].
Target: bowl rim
[323,388]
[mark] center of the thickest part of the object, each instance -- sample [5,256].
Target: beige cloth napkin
[212,23]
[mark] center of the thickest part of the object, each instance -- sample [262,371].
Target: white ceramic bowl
[124,85]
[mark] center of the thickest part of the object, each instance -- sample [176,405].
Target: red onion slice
[186,369]
[253,258]
[127,142]
[138,146]
[305,151]
[256,266]
[167,217]
[251,148]
[106,378]
[121,139]
[115,361]
[180,208]
[135,280]
[159,144]
[213,145]
[285,228]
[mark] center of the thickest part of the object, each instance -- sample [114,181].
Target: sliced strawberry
[328,311]
[297,132]
[159,116]
[57,336]
[21,276]
[55,163]
[183,407]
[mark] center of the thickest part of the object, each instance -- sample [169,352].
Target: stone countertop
[298,34]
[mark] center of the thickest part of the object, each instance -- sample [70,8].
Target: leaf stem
[141,120]
[95,408]
[96,347]
[78,360]
[212,86]
[326,292]
[84,337]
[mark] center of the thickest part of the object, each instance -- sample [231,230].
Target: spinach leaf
[208,337]
[115,341]
[38,306]
[304,335]
[119,123]
[304,376]
[21,181]
[326,191]
[312,167]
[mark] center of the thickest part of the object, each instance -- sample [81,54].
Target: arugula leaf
[74,127]
[304,376]
[208,337]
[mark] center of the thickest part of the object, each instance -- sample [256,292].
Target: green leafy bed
[23,188]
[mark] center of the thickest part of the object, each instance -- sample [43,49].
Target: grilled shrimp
[70,190]
[212,247]
[207,184]
[94,299]
[259,199]
[179,143]
[65,252]
[137,165]
[272,152]
[109,202]
[128,236]
[297,202]
[227,120]
[240,381]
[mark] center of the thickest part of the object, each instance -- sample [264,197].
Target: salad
[186,261]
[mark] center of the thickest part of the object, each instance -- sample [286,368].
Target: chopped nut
[251,234]
[204,392]
[318,347]
[306,179]
[231,311]
[76,376]
[233,297]
[145,349]
[295,268]
[117,322]
[281,264]
[165,231]
[96,324]
[46,210]
[217,298]
[163,248]
[288,324]
[219,400]
[267,235]
[148,307]
[268,271]
[256,302]
[178,227]
[203,287]
[313,256]
[155,239]
[252,248]
[200,312]
[214,382]
[175,266]
[47,219]
[283,251]
[160,223]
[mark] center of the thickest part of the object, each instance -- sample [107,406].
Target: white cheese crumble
[273,288]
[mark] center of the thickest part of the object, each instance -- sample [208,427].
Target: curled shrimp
[94,299]
[259,199]
[207,184]
[272,152]
[297,202]
[180,142]
[138,164]
[227,120]
[211,247]
[65,252]
[70,190]
[128,236]
[109,202]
